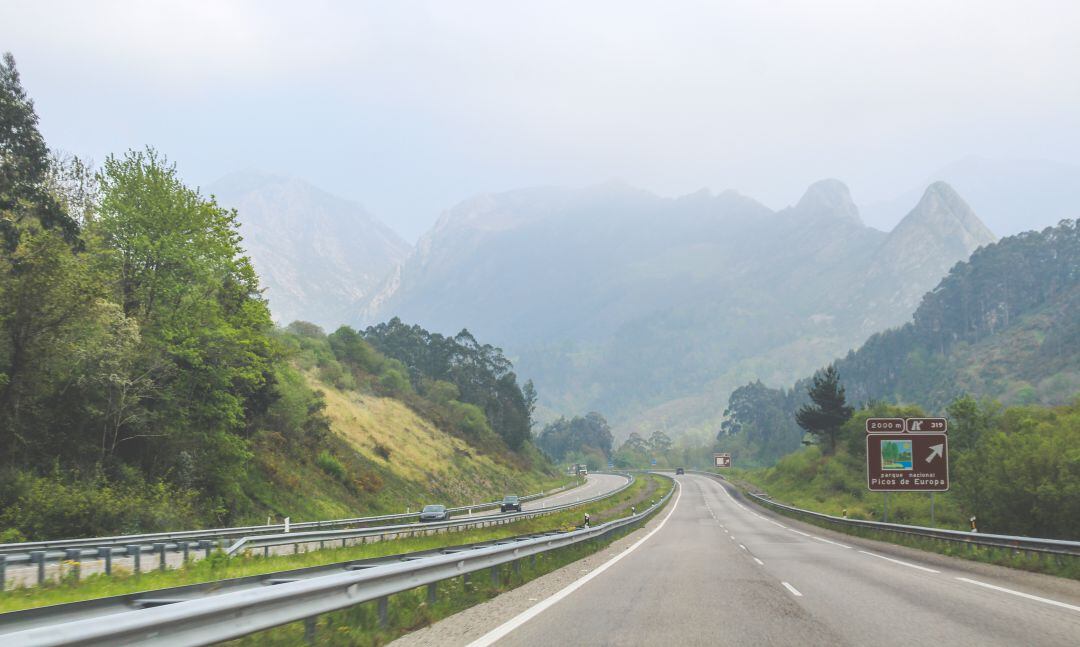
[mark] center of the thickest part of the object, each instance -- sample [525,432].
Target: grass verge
[408,611]
[220,566]
[1046,563]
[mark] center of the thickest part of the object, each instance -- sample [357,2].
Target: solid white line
[759,562]
[804,534]
[793,590]
[896,561]
[829,541]
[1023,595]
[502,630]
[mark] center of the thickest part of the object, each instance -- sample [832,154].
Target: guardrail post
[185,548]
[159,548]
[135,553]
[38,557]
[495,576]
[309,630]
[384,611]
[207,546]
[74,555]
[106,554]
[432,590]
[3,572]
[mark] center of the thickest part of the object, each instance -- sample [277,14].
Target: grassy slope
[425,465]
[807,479]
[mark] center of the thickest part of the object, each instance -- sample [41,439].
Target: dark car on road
[679,470]
[434,513]
[510,503]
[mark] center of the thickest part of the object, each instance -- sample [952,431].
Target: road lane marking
[794,591]
[528,614]
[804,534]
[759,562]
[1023,595]
[829,541]
[896,561]
[741,546]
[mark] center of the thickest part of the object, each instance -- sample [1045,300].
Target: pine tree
[828,411]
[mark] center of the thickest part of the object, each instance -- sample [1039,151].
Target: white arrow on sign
[935,451]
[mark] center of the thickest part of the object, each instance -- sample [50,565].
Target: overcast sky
[409,107]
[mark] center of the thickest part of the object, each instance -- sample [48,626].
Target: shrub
[331,465]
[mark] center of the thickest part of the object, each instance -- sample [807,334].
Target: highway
[596,484]
[711,570]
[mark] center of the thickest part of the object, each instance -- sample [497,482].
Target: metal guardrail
[232,615]
[1033,544]
[321,536]
[219,533]
[184,542]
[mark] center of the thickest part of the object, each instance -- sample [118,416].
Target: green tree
[828,409]
[183,276]
[24,166]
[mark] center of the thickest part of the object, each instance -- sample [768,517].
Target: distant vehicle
[679,470]
[579,469]
[434,513]
[510,502]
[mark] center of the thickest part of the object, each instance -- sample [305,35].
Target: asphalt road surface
[719,571]
[26,575]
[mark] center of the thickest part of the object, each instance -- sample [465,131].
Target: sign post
[914,459]
[722,460]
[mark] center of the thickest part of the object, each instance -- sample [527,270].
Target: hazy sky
[409,107]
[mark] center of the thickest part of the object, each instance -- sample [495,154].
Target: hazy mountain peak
[830,199]
[943,213]
[318,255]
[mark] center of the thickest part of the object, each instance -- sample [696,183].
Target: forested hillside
[1005,326]
[143,385]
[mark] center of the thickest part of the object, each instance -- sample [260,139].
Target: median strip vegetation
[373,623]
[220,566]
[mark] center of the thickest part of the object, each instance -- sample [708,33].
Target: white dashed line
[741,546]
[799,532]
[829,541]
[896,561]
[1023,595]
[793,590]
[759,562]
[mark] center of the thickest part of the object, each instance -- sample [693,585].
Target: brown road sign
[885,425]
[722,460]
[927,425]
[907,462]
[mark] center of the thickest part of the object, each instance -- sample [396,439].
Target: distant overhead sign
[722,460]
[907,462]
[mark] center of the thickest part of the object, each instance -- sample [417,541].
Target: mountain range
[645,308]
[651,310]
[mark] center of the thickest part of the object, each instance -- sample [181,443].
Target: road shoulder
[472,623]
